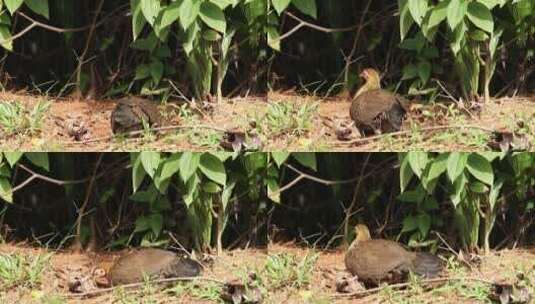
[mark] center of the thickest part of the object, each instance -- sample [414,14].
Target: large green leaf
[150,161]
[418,9]
[13,5]
[40,159]
[405,174]
[213,16]
[189,10]
[170,166]
[138,21]
[438,14]
[307,159]
[307,7]
[138,173]
[5,36]
[189,162]
[481,16]
[418,161]
[170,14]
[213,168]
[280,5]
[5,190]
[150,9]
[480,168]
[280,157]
[456,165]
[39,7]
[456,12]
[405,18]
[12,157]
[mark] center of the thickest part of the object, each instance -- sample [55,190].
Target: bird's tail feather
[427,265]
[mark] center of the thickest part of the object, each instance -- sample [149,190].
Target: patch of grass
[285,270]
[48,299]
[210,291]
[284,118]
[16,119]
[18,270]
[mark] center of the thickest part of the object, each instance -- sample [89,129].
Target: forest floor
[284,274]
[287,122]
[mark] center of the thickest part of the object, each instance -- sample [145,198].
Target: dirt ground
[434,128]
[497,267]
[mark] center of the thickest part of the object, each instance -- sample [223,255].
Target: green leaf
[273,190]
[189,162]
[226,195]
[481,16]
[138,21]
[480,168]
[39,7]
[424,224]
[5,35]
[189,10]
[307,159]
[213,16]
[170,14]
[478,187]
[13,5]
[280,157]
[424,71]
[438,166]
[405,174]
[410,223]
[222,4]
[418,9]
[280,5]
[418,161]
[456,164]
[405,18]
[438,14]
[307,7]
[5,190]
[150,161]
[156,71]
[211,187]
[456,12]
[273,38]
[40,159]
[213,168]
[458,187]
[150,9]
[138,173]
[12,157]
[171,166]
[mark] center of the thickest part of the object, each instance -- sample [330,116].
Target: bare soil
[458,129]
[500,267]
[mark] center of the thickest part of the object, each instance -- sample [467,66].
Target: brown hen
[376,261]
[130,112]
[373,108]
[155,263]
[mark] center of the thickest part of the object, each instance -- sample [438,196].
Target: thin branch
[406,284]
[86,199]
[134,285]
[303,23]
[87,43]
[133,133]
[399,133]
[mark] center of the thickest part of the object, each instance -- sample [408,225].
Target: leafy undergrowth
[286,122]
[282,274]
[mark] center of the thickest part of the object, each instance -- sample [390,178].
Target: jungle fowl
[375,261]
[374,109]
